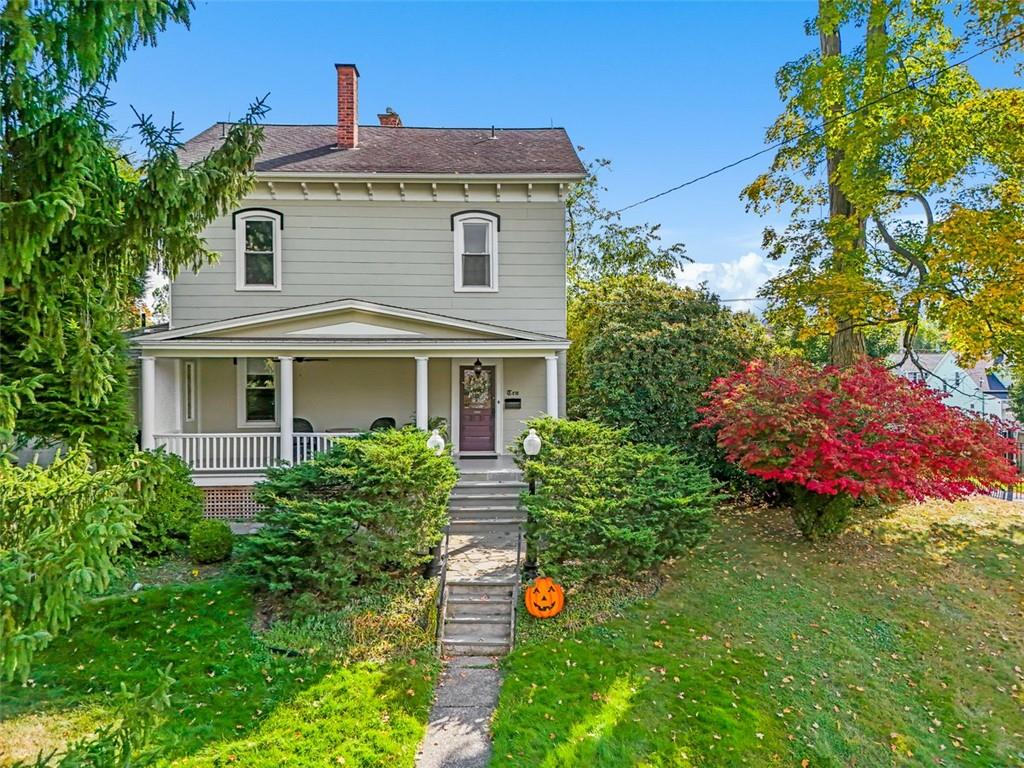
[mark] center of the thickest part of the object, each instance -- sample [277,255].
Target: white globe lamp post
[435,442]
[531,443]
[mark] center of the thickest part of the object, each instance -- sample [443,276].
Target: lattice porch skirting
[230,503]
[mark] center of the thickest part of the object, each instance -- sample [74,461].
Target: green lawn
[234,701]
[902,645]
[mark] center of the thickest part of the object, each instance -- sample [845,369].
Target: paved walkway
[487,555]
[459,731]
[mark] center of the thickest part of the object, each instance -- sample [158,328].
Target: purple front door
[476,409]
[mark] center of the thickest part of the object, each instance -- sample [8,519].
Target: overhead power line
[811,131]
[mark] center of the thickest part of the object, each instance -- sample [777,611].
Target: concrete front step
[467,608]
[481,486]
[462,521]
[480,592]
[487,504]
[487,513]
[471,648]
[491,630]
[492,525]
[491,476]
[458,501]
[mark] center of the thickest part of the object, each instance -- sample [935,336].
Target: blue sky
[665,90]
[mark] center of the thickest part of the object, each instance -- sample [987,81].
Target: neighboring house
[981,389]
[376,274]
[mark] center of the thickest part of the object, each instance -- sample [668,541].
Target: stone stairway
[482,580]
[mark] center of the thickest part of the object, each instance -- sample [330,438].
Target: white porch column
[147,406]
[422,407]
[287,409]
[551,380]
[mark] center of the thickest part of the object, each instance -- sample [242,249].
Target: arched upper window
[257,250]
[476,250]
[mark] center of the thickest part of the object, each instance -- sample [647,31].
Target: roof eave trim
[457,177]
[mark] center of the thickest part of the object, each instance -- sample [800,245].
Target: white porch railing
[225,451]
[244,451]
[308,444]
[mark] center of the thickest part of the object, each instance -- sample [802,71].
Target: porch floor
[500,463]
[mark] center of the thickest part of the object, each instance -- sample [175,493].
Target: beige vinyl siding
[398,253]
[525,376]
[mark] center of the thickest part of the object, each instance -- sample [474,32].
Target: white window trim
[241,369]
[189,386]
[240,219]
[458,239]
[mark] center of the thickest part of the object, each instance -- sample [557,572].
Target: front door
[476,409]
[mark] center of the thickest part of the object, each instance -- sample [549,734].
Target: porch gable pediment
[348,320]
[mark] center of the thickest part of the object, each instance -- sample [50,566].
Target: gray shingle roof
[312,148]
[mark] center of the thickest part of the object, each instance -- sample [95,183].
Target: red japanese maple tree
[862,433]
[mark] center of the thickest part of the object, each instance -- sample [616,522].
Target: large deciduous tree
[599,245]
[884,127]
[80,226]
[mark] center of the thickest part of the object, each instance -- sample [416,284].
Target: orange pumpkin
[544,598]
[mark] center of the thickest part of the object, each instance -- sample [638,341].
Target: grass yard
[900,645]
[235,701]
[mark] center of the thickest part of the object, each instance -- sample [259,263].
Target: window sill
[474,289]
[257,288]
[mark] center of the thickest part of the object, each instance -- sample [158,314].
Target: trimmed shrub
[606,506]
[365,511]
[210,541]
[61,528]
[841,439]
[167,502]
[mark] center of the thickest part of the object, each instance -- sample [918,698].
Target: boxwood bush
[360,514]
[604,505]
[210,541]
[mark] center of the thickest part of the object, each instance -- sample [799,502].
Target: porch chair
[384,422]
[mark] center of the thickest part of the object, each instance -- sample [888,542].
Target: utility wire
[811,131]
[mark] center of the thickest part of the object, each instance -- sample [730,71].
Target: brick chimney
[390,119]
[348,105]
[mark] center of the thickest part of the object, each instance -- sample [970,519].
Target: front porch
[267,390]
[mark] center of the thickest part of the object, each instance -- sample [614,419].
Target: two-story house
[981,389]
[376,275]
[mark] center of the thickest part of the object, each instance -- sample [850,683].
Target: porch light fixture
[477,366]
[531,443]
[436,443]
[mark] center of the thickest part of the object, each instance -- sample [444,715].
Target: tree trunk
[847,344]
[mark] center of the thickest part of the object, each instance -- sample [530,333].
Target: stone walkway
[459,731]
[482,560]
[487,555]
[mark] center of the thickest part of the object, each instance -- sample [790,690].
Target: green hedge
[166,500]
[365,511]
[604,505]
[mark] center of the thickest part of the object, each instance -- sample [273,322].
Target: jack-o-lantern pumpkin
[544,598]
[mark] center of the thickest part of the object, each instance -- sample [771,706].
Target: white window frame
[240,221]
[241,379]
[189,395]
[459,243]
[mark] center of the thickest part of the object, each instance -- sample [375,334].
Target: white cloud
[740,278]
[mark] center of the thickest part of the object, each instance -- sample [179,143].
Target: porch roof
[346,327]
